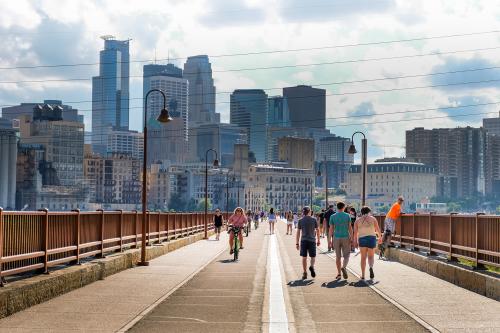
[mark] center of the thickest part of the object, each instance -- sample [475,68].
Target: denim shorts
[368,241]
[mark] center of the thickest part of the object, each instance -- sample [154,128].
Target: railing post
[121,229]
[430,253]
[413,232]
[148,231]
[135,228]
[159,231]
[1,246]
[478,266]
[166,226]
[102,232]
[77,235]
[450,251]
[46,240]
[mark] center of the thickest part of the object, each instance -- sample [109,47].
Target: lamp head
[352,149]
[216,163]
[164,116]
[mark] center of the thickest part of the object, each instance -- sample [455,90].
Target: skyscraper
[278,113]
[248,110]
[492,125]
[110,92]
[198,71]
[307,106]
[169,141]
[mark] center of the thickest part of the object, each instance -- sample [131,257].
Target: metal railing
[36,241]
[471,237]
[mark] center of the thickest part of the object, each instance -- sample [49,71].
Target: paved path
[108,305]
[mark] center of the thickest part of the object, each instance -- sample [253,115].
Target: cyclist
[256,220]
[237,220]
[249,220]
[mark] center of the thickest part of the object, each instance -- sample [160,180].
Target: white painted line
[278,320]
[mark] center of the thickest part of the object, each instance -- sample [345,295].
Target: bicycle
[236,243]
[247,229]
[256,224]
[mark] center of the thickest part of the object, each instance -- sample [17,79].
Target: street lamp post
[216,164]
[326,178]
[352,150]
[164,117]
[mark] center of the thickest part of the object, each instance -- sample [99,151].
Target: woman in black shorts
[218,221]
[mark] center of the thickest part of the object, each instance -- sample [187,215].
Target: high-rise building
[62,140]
[278,114]
[297,152]
[8,159]
[492,165]
[456,153]
[26,109]
[492,125]
[126,142]
[110,92]
[307,106]
[249,110]
[220,137]
[167,142]
[198,71]
[335,148]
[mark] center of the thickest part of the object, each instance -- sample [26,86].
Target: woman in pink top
[239,220]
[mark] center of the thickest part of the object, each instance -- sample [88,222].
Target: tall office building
[335,148]
[492,125]
[167,141]
[297,152]
[249,110]
[8,153]
[307,106]
[198,71]
[278,113]
[110,92]
[456,153]
[26,109]
[492,165]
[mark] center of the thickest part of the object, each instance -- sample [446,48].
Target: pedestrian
[289,222]
[295,219]
[218,222]
[272,220]
[341,230]
[390,224]
[307,238]
[326,222]
[354,215]
[321,219]
[366,232]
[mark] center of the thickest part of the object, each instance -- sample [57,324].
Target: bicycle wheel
[236,247]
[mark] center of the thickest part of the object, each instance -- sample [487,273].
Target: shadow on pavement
[227,261]
[359,284]
[300,283]
[335,284]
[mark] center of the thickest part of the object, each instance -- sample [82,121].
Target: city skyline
[320,25]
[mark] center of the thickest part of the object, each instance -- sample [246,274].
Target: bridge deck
[261,292]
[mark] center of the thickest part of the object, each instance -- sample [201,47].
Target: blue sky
[48,32]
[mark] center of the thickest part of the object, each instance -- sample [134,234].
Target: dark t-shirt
[321,217]
[328,214]
[308,226]
[218,220]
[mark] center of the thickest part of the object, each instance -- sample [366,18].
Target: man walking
[390,224]
[341,229]
[327,216]
[308,235]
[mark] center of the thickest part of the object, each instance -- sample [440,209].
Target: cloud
[328,10]
[364,109]
[222,13]
[457,64]
[461,108]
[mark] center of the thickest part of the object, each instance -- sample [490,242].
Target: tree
[191,206]
[201,205]
[453,207]
[176,203]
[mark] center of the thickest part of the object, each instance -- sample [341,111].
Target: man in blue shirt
[341,229]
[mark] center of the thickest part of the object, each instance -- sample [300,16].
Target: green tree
[201,205]
[452,207]
[176,203]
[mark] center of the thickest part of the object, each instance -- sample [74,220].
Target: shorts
[307,247]
[368,241]
[342,247]
[217,229]
[390,224]
[289,222]
[272,221]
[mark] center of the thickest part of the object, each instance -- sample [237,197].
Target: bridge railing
[36,241]
[472,237]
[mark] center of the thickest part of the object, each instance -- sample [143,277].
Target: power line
[268,52]
[269,67]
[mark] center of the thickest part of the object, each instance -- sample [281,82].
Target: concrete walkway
[109,305]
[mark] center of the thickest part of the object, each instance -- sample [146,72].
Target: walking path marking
[278,320]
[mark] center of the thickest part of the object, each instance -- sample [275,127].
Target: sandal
[337,277]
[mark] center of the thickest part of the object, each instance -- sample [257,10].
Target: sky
[341,44]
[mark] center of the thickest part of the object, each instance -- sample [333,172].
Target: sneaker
[313,272]
[372,275]
[231,251]
[344,273]
[241,247]
[304,276]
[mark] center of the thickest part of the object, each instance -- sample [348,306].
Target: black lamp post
[352,150]
[164,117]
[326,178]
[215,164]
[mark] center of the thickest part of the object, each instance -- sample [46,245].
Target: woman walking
[366,231]
[352,212]
[218,222]
[289,222]
[272,220]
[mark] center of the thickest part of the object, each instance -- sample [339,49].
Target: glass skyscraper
[278,112]
[248,109]
[110,92]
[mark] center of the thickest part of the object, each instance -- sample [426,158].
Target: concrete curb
[482,284]
[19,295]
